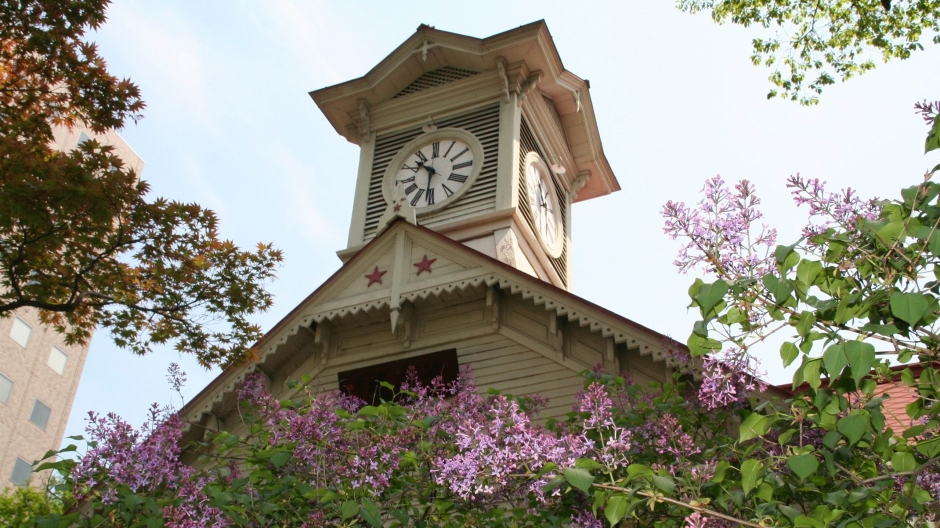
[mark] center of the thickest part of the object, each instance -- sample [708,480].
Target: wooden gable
[412,292]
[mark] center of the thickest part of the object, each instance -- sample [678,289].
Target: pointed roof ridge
[408,46]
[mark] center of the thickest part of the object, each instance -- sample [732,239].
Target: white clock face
[544,206]
[434,172]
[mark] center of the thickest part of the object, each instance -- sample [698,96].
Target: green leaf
[862,357]
[803,465]
[780,288]
[933,137]
[280,458]
[750,471]
[808,372]
[834,359]
[349,509]
[852,427]
[781,253]
[370,513]
[789,511]
[369,410]
[616,508]
[909,307]
[788,352]
[579,478]
[635,470]
[699,346]
[803,521]
[694,289]
[549,466]
[885,330]
[934,244]
[600,497]
[929,448]
[913,431]
[709,295]
[754,425]
[892,231]
[807,272]
[786,436]
[664,483]
[805,326]
[903,461]
[907,377]
[586,463]
[720,469]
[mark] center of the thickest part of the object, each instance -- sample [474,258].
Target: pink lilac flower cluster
[722,237]
[929,480]
[323,446]
[729,378]
[616,442]
[583,518]
[504,444]
[841,209]
[141,460]
[176,377]
[927,110]
[144,460]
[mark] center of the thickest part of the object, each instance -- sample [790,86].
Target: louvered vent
[556,117]
[434,78]
[481,197]
[527,144]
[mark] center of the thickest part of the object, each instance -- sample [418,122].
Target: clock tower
[487,141]
[459,252]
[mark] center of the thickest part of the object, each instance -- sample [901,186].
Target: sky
[229,125]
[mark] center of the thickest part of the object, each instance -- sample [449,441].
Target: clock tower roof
[414,77]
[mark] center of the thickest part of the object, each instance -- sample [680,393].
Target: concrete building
[39,373]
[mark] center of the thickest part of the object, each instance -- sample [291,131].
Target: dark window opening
[365,382]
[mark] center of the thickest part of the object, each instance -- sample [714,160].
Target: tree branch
[699,509]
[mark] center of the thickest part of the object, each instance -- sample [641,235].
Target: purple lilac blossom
[841,209]
[729,378]
[721,234]
[927,110]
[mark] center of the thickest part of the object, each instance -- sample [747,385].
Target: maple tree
[80,240]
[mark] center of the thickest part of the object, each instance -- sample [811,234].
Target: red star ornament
[424,265]
[397,208]
[375,276]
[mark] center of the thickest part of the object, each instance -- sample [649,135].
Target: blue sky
[229,125]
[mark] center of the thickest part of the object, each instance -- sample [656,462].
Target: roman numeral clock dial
[544,205]
[434,169]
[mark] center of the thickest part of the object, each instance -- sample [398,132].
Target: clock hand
[431,173]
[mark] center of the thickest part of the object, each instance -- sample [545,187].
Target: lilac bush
[861,285]
[435,456]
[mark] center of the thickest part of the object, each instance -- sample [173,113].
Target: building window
[365,382]
[6,387]
[20,332]
[40,415]
[82,137]
[21,472]
[57,360]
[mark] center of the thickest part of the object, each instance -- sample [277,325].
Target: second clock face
[543,204]
[434,172]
